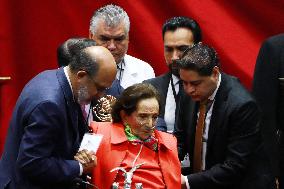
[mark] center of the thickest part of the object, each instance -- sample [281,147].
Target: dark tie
[197,161]
[180,91]
[178,99]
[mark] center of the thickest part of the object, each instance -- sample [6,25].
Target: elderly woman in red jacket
[132,152]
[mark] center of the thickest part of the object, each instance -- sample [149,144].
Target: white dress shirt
[170,107]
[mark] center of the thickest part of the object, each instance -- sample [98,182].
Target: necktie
[197,161]
[180,90]
[178,99]
[84,111]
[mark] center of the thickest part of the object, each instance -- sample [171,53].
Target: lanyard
[174,90]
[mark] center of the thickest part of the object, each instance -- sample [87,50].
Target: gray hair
[112,15]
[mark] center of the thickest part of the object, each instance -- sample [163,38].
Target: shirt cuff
[186,182]
[81,169]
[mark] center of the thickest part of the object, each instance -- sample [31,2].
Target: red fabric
[114,145]
[149,173]
[31,31]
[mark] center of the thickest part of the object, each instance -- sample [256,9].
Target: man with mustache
[179,33]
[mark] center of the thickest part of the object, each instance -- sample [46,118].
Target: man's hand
[183,182]
[87,159]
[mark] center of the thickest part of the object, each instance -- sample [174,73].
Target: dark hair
[200,58]
[183,22]
[130,97]
[72,46]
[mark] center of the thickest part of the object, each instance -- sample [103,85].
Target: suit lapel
[219,110]
[72,108]
[163,87]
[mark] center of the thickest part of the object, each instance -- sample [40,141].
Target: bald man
[47,124]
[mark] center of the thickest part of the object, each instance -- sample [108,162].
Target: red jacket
[114,146]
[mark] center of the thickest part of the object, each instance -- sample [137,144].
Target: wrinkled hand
[87,159]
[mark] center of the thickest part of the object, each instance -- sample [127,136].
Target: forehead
[110,31]
[149,105]
[190,75]
[181,36]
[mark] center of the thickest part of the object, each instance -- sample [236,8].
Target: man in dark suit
[47,124]
[178,34]
[268,89]
[223,138]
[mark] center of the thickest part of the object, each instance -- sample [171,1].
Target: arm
[40,153]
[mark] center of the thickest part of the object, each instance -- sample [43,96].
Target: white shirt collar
[175,79]
[212,97]
[68,79]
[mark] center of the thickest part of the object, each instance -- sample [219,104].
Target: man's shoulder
[274,41]
[236,92]
[136,62]
[43,87]
[159,79]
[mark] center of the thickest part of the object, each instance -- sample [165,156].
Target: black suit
[269,67]
[233,154]
[161,83]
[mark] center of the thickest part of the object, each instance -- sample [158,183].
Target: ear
[80,74]
[91,36]
[216,72]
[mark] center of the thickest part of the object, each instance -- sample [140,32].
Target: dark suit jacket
[43,136]
[161,83]
[233,141]
[269,67]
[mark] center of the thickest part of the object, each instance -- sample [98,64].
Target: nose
[111,45]
[176,55]
[189,89]
[150,123]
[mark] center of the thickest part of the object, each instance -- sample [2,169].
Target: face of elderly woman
[143,120]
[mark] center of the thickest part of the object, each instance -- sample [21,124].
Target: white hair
[112,15]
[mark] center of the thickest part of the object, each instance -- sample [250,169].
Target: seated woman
[132,151]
